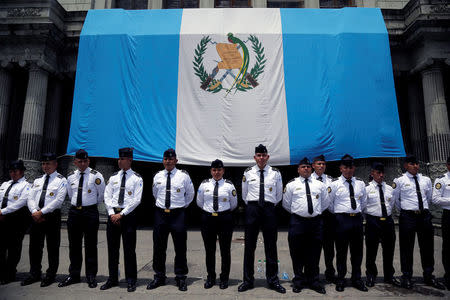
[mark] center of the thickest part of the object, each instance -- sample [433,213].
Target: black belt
[118,209]
[378,218]
[166,210]
[257,203]
[414,212]
[217,213]
[350,214]
[308,218]
[84,207]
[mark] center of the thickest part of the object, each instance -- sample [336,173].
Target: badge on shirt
[270,189]
[394,185]
[52,194]
[244,179]
[178,190]
[206,191]
[438,186]
[224,200]
[130,192]
[329,189]
[15,197]
[233,193]
[98,181]
[89,191]
[317,196]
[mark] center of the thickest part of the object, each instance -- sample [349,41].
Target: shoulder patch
[137,174]
[234,193]
[94,171]
[98,181]
[329,189]
[60,176]
[205,181]
[244,179]
[438,186]
[275,169]
[228,181]
[394,185]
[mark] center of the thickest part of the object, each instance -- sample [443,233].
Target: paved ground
[197,274]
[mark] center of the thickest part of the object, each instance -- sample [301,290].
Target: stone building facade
[38,54]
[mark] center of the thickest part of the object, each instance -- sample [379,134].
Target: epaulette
[443,176]
[228,181]
[248,169]
[334,179]
[185,172]
[137,174]
[93,172]
[275,169]
[357,178]
[293,179]
[205,181]
[71,173]
[115,173]
[60,176]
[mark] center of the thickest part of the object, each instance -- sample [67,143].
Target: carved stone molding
[440,8]
[24,12]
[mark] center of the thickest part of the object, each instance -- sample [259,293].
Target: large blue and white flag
[214,83]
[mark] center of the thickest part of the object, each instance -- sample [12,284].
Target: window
[132,4]
[232,3]
[336,3]
[286,3]
[181,3]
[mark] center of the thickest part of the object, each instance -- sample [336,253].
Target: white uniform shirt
[17,196]
[339,194]
[441,191]
[273,185]
[326,179]
[93,187]
[373,204]
[181,189]
[295,200]
[132,196]
[54,197]
[405,194]
[227,197]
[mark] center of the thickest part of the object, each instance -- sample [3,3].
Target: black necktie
[261,188]
[44,192]
[167,204]
[216,197]
[122,188]
[80,190]
[5,197]
[419,193]
[308,197]
[383,205]
[320,178]
[352,194]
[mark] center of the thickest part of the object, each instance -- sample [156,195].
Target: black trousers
[49,230]
[446,244]
[329,227]
[83,223]
[127,230]
[214,227]
[305,243]
[173,223]
[380,231]
[12,227]
[261,217]
[349,233]
[411,223]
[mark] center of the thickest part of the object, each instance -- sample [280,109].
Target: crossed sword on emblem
[214,72]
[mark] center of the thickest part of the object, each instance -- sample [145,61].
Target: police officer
[217,198]
[379,226]
[347,200]
[413,191]
[44,202]
[329,220]
[14,220]
[262,189]
[305,199]
[173,191]
[123,194]
[441,196]
[85,187]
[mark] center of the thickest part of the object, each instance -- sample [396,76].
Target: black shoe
[330,278]
[109,284]
[434,283]
[297,288]
[91,281]
[155,283]
[30,279]
[277,287]
[69,280]
[370,281]
[245,286]
[359,285]
[317,287]
[406,283]
[223,284]
[181,283]
[131,286]
[209,283]
[48,280]
[340,286]
[394,281]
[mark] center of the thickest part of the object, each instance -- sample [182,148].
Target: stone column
[417,124]
[259,3]
[312,4]
[52,113]
[206,4]
[438,131]
[33,121]
[5,98]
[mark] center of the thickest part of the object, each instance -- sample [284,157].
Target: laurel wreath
[244,85]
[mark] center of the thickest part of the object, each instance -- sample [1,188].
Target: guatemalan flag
[214,83]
